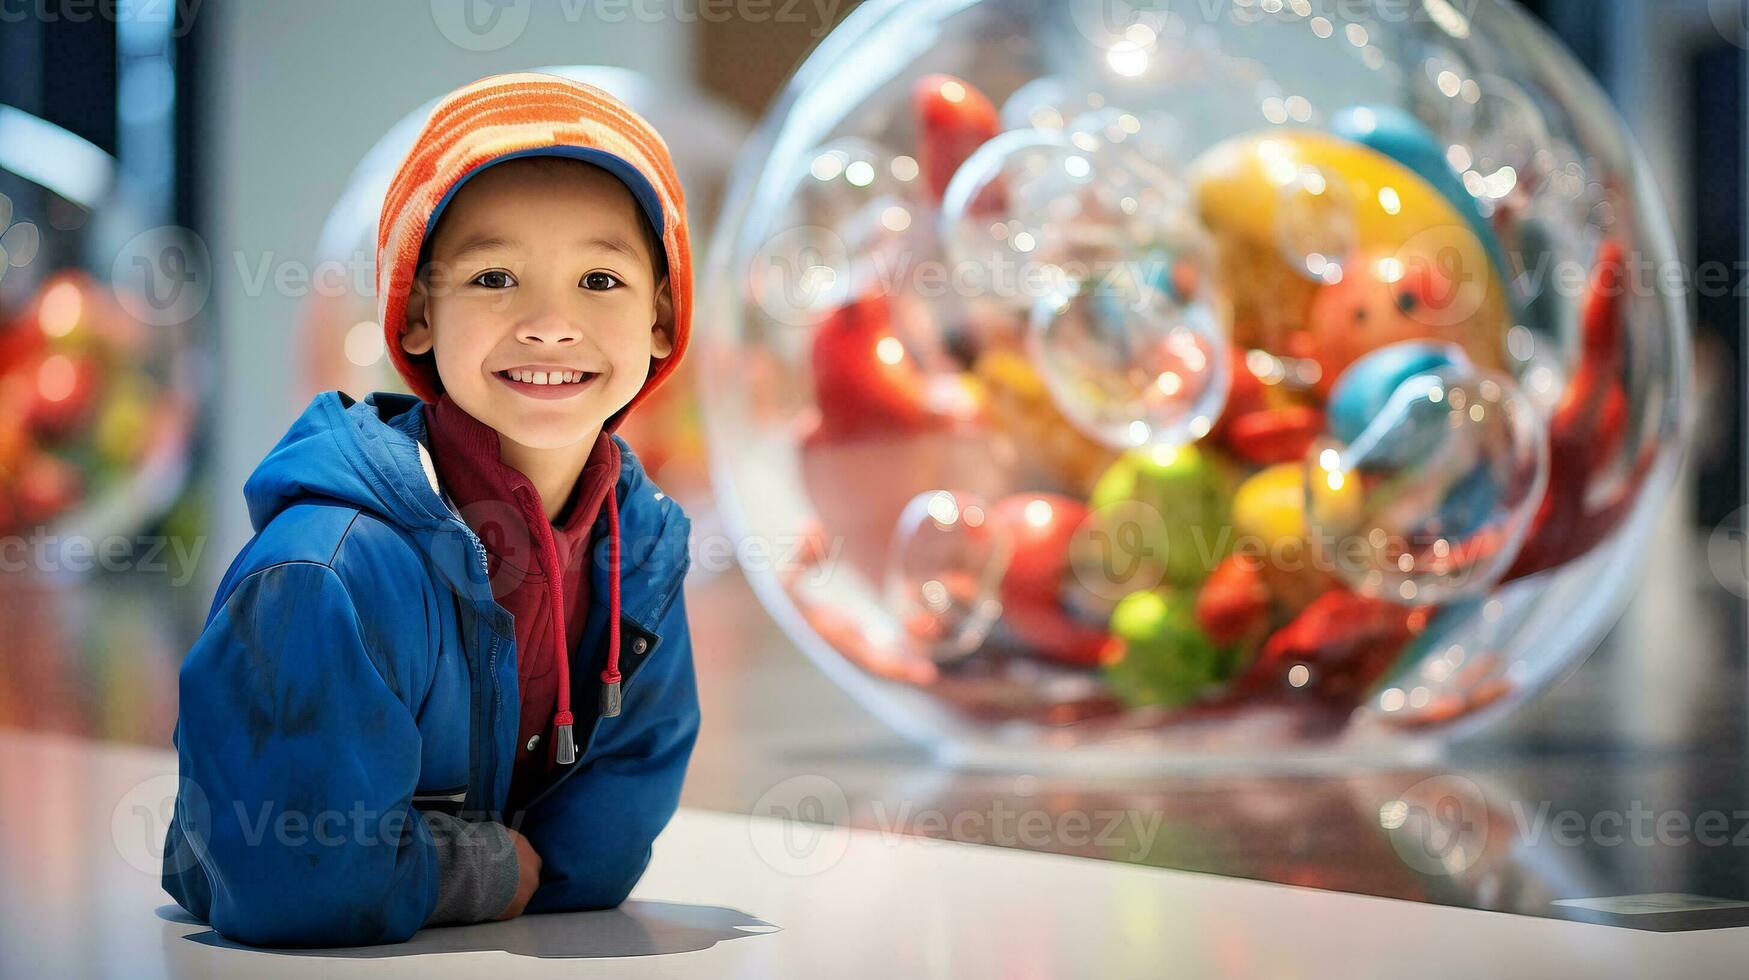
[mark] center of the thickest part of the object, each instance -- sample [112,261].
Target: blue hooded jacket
[354,689]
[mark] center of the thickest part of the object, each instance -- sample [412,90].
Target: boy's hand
[528,875]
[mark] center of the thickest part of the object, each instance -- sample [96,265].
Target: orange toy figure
[1258,195]
[1586,432]
[1383,298]
[953,119]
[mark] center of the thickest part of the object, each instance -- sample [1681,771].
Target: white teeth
[546,377]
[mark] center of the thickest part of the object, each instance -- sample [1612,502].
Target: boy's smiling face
[541,263]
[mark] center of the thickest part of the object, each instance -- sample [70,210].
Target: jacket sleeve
[299,757]
[594,831]
[477,870]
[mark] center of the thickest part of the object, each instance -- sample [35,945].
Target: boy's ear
[662,328]
[417,337]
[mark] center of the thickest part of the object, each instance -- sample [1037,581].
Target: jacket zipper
[497,706]
[491,727]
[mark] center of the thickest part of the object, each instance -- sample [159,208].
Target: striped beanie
[501,117]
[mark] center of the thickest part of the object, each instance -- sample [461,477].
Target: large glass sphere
[1183,380]
[100,376]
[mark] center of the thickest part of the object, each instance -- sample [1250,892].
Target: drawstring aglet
[609,699]
[566,747]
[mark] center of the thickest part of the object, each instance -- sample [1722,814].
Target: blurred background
[187,231]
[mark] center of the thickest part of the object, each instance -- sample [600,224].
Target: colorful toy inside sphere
[1159,515]
[1163,657]
[1231,324]
[1432,500]
[1382,299]
[1271,202]
[1040,596]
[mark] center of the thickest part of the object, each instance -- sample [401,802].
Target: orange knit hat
[524,114]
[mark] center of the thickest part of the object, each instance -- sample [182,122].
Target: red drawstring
[565,744]
[611,674]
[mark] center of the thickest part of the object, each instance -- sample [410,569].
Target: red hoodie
[523,549]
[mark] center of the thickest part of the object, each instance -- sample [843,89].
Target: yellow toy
[1293,212]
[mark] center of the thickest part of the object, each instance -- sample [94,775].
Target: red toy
[1234,603]
[1586,432]
[1344,642]
[865,382]
[1261,424]
[1040,527]
[953,119]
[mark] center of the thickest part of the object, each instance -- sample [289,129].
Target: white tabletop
[727,895]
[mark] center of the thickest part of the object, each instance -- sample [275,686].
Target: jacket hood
[521,114]
[349,451]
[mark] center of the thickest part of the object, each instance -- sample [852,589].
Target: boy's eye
[599,280]
[495,279]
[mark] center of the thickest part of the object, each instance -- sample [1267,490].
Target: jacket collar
[654,531]
[466,453]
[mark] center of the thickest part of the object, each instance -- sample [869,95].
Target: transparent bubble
[852,208]
[1025,214]
[1048,102]
[1315,223]
[944,571]
[1138,359]
[1433,499]
[1501,140]
[1138,162]
[1495,131]
[19,245]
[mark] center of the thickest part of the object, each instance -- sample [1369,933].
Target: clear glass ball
[1299,359]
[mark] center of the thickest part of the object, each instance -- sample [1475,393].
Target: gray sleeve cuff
[477,869]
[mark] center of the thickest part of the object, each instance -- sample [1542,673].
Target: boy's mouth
[546,384]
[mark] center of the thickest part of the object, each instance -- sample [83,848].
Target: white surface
[719,901]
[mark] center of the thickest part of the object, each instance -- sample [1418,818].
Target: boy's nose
[551,327]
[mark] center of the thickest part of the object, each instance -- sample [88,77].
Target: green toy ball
[1163,657]
[1159,515]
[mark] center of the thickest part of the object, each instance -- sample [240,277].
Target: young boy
[450,677]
